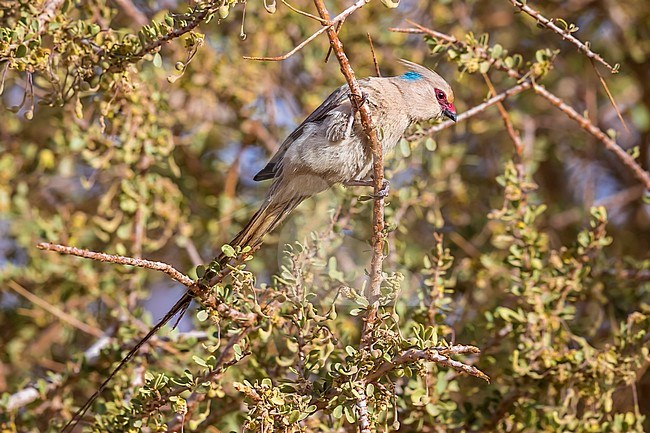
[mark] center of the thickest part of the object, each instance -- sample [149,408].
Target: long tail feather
[267,218]
[180,306]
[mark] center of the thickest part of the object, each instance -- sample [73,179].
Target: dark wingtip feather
[262,176]
[266,173]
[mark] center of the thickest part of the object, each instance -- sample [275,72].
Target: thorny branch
[586,124]
[120,260]
[571,112]
[543,21]
[441,356]
[207,299]
[474,110]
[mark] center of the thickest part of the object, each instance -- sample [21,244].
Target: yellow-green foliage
[143,142]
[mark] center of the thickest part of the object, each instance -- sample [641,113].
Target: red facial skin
[448,108]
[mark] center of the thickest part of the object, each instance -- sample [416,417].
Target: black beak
[448,113]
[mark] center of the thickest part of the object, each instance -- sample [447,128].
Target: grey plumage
[329,147]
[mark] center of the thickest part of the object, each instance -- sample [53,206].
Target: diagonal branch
[610,144]
[132,11]
[378,238]
[121,260]
[543,21]
[514,135]
[60,314]
[474,110]
[50,7]
[440,356]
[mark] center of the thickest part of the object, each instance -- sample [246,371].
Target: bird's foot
[383,192]
[358,100]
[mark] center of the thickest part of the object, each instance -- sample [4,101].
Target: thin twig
[290,53]
[474,110]
[625,158]
[307,14]
[609,95]
[60,314]
[514,136]
[584,123]
[327,23]
[420,29]
[374,57]
[440,356]
[543,21]
[121,260]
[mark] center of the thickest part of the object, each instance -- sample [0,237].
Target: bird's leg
[356,101]
[383,192]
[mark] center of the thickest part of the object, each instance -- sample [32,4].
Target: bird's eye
[440,95]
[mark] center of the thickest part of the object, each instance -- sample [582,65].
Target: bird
[329,147]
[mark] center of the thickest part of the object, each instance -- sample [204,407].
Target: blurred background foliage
[112,144]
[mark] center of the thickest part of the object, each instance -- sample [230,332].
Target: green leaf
[199,361]
[21,51]
[228,251]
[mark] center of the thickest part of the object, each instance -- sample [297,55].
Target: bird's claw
[382,193]
[358,100]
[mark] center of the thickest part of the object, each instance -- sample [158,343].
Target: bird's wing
[337,100]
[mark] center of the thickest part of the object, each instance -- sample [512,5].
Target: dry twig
[121,260]
[60,314]
[49,11]
[440,356]
[132,11]
[328,25]
[584,123]
[374,56]
[474,110]
[543,21]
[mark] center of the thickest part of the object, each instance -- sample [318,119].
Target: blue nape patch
[411,76]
